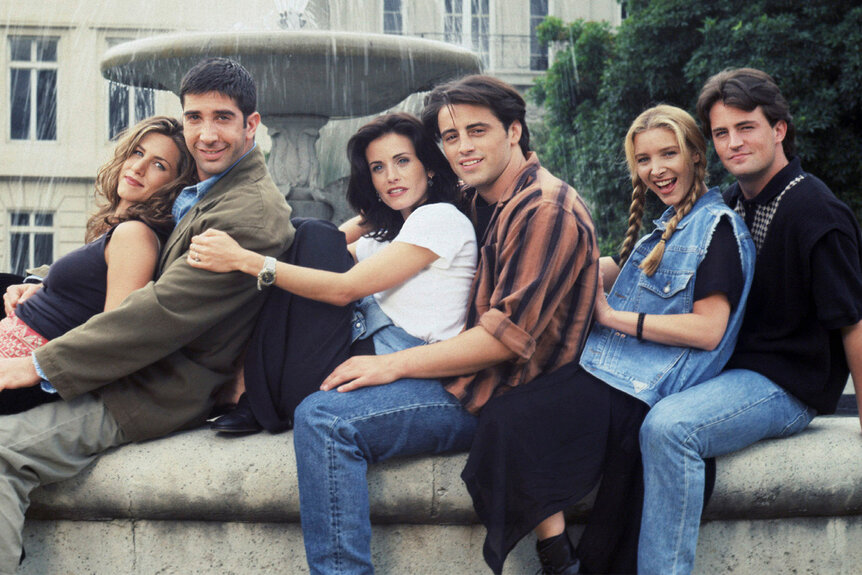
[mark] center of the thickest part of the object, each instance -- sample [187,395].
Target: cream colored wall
[57,175]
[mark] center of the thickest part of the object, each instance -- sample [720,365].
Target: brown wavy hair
[156,211]
[692,145]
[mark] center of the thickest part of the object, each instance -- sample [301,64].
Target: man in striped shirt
[531,306]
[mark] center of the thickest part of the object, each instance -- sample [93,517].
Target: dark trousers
[297,342]
[609,543]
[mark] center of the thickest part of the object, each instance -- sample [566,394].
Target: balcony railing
[510,52]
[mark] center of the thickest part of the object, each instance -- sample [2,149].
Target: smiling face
[215,132]
[747,145]
[481,151]
[398,176]
[662,165]
[152,164]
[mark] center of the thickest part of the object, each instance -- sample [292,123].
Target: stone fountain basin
[319,73]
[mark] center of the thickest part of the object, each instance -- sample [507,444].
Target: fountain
[304,79]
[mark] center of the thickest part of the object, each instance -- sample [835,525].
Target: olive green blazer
[158,359]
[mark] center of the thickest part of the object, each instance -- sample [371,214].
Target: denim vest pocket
[662,292]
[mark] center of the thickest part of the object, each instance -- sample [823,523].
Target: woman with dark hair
[135,191]
[670,321]
[416,255]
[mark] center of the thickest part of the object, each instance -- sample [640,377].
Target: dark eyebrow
[478,125]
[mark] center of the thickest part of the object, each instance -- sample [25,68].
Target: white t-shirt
[432,305]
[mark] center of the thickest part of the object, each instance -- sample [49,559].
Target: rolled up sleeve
[535,266]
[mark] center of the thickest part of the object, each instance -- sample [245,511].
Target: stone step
[200,503]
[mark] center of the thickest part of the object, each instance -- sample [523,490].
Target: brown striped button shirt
[535,284]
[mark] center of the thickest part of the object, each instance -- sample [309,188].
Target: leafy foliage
[663,52]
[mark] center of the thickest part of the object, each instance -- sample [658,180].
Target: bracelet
[640,331]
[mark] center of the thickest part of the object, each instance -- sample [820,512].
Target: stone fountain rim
[307,42]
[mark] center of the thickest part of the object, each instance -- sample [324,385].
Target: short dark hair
[224,76]
[746,89]
[503,100]
[361,194]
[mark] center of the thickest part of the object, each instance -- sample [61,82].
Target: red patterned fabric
[17,339]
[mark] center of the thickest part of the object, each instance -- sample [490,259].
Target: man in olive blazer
[152,365]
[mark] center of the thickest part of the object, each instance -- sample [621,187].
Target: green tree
[663,52]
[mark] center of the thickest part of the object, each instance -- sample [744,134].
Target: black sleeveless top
[73,291]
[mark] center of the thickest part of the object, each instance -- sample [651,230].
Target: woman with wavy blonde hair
[135,191]
[670,322]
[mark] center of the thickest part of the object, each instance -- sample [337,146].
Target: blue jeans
[724,414]
[336,436]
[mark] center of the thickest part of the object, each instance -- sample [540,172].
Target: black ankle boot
[557,556]
[240,420]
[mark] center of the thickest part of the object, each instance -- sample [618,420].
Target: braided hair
[693,148]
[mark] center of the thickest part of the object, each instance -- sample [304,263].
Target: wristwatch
[266,276]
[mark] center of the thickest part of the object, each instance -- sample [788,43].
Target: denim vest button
[667,288]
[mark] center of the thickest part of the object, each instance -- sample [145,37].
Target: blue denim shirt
[649,370]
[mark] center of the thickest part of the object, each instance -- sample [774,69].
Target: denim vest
[648,370]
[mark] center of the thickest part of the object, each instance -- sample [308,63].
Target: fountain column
[294,166]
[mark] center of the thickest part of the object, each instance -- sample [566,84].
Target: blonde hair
[156,211]
[693,148]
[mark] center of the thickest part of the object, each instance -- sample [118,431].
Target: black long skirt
[542,447]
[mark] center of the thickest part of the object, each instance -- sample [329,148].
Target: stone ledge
[199,476]
[196,503]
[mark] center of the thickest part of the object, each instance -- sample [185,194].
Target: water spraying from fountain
[305,77]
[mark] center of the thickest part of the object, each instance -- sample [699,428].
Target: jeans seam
[333,494]
[401,409]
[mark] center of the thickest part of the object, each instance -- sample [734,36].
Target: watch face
[267,277]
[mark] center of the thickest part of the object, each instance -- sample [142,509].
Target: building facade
[60,116]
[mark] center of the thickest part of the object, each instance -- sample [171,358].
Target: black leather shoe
[240,420]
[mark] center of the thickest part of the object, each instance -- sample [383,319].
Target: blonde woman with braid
[669,322]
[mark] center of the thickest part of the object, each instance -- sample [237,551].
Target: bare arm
[703,328]
[852,338]
[609,270]
[390,267]
[468,352]
[353,230]
[131,254]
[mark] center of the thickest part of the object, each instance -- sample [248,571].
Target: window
[127,105]
[393,22]
[467,23]
[538,53]
[452,22]
[31,240]
[33,88]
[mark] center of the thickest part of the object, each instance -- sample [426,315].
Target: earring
[379,198]
[430,182]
